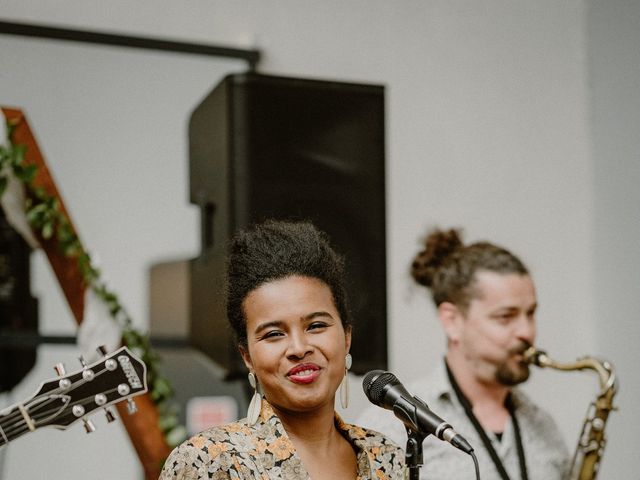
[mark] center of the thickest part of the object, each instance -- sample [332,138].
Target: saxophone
[592,441]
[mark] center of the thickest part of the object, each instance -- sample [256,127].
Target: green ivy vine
[45,215]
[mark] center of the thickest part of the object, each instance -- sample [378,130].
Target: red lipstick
[304,373]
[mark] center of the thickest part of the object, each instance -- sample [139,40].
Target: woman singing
[287,305]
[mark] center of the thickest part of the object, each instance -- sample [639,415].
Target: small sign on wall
[206,412]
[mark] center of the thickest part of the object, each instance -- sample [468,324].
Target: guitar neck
[12,425]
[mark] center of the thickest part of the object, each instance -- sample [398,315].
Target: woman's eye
[317,325]
[272,334]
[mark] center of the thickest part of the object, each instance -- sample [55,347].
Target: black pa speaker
[286,148]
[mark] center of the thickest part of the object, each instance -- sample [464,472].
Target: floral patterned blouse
[264,451]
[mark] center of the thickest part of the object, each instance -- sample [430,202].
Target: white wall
[489,112]
[614,77]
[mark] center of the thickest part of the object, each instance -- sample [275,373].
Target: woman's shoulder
[382,455]
[216,445]
[227,435]
[369,437]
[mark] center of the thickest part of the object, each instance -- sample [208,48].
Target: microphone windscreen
[374,382]
[369,378]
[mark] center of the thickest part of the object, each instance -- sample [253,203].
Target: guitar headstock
[61,401]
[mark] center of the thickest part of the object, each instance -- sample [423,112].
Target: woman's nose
[299,345]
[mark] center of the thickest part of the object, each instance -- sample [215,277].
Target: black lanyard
[466,404]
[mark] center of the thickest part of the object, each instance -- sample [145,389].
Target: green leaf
[37,210]
[11,126]
[65,233]
[176,435]
[39,192]
[4,181]
[47,230]
[18,154]
[167,422]
[26,173]
[70,249]
[161,388]
[5,156]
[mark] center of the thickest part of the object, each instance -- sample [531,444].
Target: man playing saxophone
[486,303]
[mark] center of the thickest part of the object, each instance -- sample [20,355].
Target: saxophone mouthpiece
[533,356]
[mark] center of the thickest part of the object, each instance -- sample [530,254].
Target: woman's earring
[344,385]
[256,401]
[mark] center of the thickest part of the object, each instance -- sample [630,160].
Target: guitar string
[27,419]
[21,425]
[19,428]
[79,383]
[6,440]
[56,391]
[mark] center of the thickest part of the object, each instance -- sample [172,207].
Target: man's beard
[508,375]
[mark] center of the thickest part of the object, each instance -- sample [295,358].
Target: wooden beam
[143,427]
[66,269]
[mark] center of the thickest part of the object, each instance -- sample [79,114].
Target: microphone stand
[413,455]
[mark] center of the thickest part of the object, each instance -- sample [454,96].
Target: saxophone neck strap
[468,409]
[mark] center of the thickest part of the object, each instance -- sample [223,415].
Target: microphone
[385,390]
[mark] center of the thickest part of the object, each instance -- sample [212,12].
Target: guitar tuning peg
[109,414]
[60,370]
[131,407]
[89,426]
[102,350]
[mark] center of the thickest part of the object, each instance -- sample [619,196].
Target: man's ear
[451,319]
[246,357]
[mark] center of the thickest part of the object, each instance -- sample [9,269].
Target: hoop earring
[344,385]
[256,401]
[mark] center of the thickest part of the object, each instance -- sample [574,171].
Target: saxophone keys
[597,424]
